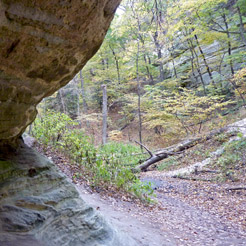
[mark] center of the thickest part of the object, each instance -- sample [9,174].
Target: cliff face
[43,44]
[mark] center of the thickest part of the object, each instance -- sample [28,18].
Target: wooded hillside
[167,71]
[169,66]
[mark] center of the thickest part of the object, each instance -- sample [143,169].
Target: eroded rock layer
[43,43]
[39,206]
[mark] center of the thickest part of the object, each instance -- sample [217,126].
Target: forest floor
[190,210]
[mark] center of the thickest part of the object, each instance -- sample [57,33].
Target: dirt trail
[192,224]
[188,213]
[129,219]
[176,221]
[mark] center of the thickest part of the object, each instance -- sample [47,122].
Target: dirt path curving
[193,224]
[129,219]
[174,223]
[188,213]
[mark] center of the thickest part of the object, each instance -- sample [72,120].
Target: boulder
[39,206]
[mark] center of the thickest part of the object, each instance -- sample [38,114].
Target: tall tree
[104,114]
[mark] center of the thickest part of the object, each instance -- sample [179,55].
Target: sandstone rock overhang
[43,44]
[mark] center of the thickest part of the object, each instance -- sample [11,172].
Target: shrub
[105,166]
[171,161]
[232,158]
[50,128]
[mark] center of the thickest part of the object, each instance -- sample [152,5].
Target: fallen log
[235,188]
[208,171]
[193,178]
[176,149]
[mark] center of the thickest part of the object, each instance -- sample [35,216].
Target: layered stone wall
[43,44]
[40,207]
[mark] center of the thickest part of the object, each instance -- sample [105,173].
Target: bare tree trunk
[62,101]
[139,96]
[194,55]
[242,30]
[147,69]
[199,71]
[85,107]
[159,54]
[78,105]
[204,59]
[103,64]
[116,63]
[195,61]
[143,45]
[229,42]
[158,19]
[76,89]
[104,115]
[139,39]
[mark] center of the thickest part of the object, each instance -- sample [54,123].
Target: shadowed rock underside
[43,44]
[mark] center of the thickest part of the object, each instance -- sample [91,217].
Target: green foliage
[181,109]
[221,138]
[231,159]
[50,128]
[183,39]
[242,5]
[124,153]
[239,81]
[78,146]
[169,162]
[104,166]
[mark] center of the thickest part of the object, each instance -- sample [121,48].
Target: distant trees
[156,49]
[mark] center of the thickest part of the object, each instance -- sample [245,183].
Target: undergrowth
[195,154]
[169,162]
[103,166]
[233,160]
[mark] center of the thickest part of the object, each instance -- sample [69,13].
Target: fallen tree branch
[192,178]
[207,171]
[177,149]
[235,188]
[125,126]
[148,150]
